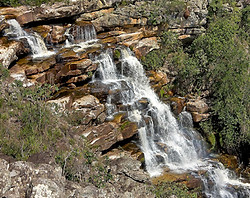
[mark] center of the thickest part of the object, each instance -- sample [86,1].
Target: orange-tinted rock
[144,46]
[229,161]
[197,117]
[77,79]
[118,117]
[128,130]
[74,72]
[42,30]
[82,65]
[57,34]
[177,105]
[169,177]
[67,55]
[10,51]
[197,105]
[93,15]
[190,181]
[157,79]
[26,18]
[109,34]
[105,135]
[114,20]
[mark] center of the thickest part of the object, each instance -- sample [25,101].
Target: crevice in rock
[133,139]
[136,180]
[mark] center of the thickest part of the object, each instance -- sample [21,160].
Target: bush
[170,51]
[218,62]
[159,11]
[27,124]
[169,189]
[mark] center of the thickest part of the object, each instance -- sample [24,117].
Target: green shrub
[170,51]
[83,165]
[27,124]
[168,189]
[218,62]
[4,73]
[159,11]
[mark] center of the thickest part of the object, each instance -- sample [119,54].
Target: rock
[197,117]
[157,79]
[109,21]
[3,23]
[10,50]
[22,178]
[25,179]
[93,15]
[177,105]
[82,65]
[144,46]
[190,181]
[103,136]
[197,105]
[39,66]
[57,35]
[26,17]
[169,177]
[107,134]
[229,161]
[67,55]
[57,10]
[128,129]
[43,30]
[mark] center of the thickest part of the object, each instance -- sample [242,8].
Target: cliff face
[69,34]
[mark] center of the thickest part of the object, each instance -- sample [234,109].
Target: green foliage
[83,166]
[168,189]
[170,52]
[4,73]
[218,62]
[27,124]
[159,11]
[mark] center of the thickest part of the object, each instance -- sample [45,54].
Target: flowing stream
[36,43]
[164,140]
[80,36]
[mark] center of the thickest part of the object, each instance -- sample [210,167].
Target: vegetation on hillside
[29,126]
[217,63]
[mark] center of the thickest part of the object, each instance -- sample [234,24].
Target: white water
[36,43]
[80,36]
[165,141]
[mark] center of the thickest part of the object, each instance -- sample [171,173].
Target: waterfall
[36,43]
[164,140]
[80,35]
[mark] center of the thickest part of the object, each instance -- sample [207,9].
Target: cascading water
[165,141]
[79,36]
[36,43]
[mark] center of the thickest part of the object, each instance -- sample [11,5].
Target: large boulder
[10,51]
[25,179]
[113,20]
[107,134]
[197,105]
[199,109]
[57,10]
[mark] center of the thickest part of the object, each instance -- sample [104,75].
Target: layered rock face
[75,24]
[75,31]
[27,179]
